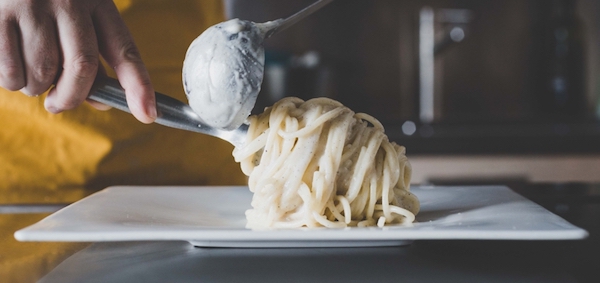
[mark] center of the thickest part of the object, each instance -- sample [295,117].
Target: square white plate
[214,216]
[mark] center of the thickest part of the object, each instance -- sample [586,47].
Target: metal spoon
[177,114]
[224,67]
[282,24]
[171,112]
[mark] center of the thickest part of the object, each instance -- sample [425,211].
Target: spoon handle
[171,112]
[291,20]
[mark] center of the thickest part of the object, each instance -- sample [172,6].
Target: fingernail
[24,91]
[49,107]
[152,107]
[52,109]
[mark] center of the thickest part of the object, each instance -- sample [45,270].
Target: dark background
[502,73]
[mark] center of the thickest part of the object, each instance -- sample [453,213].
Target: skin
[57,45]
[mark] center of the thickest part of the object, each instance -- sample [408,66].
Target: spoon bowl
[177,114]
[224,67]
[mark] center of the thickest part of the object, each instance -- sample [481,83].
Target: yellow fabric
[45,157]
[64,157]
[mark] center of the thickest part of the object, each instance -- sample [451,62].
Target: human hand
[59,42]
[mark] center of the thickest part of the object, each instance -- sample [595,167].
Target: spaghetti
[316,163]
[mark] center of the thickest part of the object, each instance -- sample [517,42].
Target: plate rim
[37,232]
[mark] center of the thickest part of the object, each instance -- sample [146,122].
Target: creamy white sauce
[223,71]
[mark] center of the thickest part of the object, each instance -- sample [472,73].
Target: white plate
[214,216]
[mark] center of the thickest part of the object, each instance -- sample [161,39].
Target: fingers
[40,53]
[77,39]
[12,76]
[96,104]
[119,50]
[55,41]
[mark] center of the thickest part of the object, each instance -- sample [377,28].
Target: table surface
[422,261]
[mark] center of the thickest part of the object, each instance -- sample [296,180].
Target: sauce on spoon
[223,71]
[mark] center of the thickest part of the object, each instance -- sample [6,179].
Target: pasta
[316,163]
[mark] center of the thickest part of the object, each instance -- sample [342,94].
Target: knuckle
[10,70]
[130,52]
[11,76]
[68,4]
[145,82]
[45,73]
[30,8]
[26,3]
[85,66]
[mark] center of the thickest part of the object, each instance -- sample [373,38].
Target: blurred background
[479,91]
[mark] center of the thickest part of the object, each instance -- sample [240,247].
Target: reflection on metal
[426,64]
[30,208]
[454,23]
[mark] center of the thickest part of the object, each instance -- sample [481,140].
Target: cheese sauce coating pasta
[316,163]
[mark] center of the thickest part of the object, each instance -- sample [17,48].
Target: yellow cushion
[46,157]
